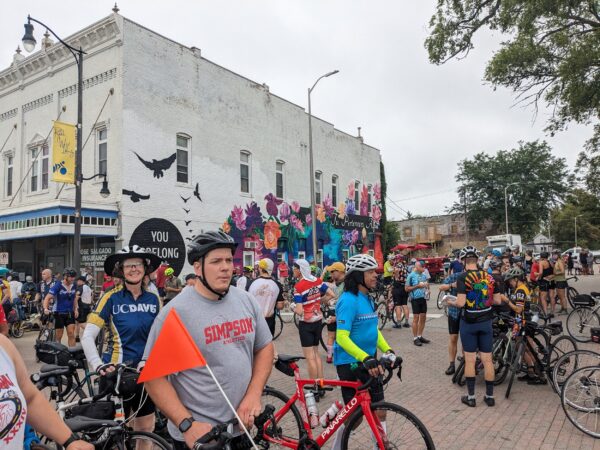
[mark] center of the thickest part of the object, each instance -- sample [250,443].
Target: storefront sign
[94,257]
[351,222]
[163,239]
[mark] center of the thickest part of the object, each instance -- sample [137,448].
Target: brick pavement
[531,418]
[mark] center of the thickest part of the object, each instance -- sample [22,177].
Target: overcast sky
[423,118]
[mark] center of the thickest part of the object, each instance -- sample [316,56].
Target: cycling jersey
[308,293]
[64,298]
[521,297]
[388,269]
[413,279]
[400,274]
[478,286]
[129,322]
[357,334]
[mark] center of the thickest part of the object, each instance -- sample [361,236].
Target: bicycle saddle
[46,368]
[82,423]
[289,358]
[595,294]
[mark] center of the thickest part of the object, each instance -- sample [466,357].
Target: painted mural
[286,228]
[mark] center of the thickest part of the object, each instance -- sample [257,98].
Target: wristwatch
[71,439]
[186,424]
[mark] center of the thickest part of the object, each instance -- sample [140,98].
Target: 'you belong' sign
[161,237]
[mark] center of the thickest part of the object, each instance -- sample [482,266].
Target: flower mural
[272,203]
[284,212]
[272,233]
[237,215]
[364,201]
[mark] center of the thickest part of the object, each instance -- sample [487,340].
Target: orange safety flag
[173,351]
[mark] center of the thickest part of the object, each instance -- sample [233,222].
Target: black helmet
[494,264]
[544,255]
[205,242]
[112,262]
[69,272]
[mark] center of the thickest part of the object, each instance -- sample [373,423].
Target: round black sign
[163,239]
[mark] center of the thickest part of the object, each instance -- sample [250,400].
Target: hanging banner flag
[63,153]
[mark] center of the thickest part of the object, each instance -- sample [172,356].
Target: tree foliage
[551,52]
[587,207]
[543,181]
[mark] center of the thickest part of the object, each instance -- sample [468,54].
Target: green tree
[587,207]
[551,52]
[543,180]
[390,233]
[587,169]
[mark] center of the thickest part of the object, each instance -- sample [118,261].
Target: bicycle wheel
[440,297]
[580,399]
[296,320]
[323,337]
[403,429]
[278,325]
[501,356]
[515,366]
[458,374]
[395,318]
[138,439]
[16,329]
[569,363]
[559,348]
[580,323]
[287,314]
[289,425]
[381,315]
[571,294]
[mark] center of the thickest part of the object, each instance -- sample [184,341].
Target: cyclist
[337,271]
[357,337]
[399,293]
[129,312]
[190,279]
[65,308]
[84,298]
[245,278]
[476,295]
[211,312]
[173,285]
[267,292]
[309,292]
[15,289]
[449,285]
[544,278]
[560,281]
[388,275]
[417,285]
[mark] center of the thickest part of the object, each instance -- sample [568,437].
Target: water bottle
[313,411]
[330,414]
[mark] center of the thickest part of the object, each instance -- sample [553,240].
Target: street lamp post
[312,168]
[29,44]
[576,229]
[506,203]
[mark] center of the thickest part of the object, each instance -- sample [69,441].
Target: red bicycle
[289,427]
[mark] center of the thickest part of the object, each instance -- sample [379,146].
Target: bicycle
[580,400]
[571,291]
[386,310]
[584,317]
[403,427]
[569,363]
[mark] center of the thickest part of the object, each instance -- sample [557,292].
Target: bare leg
[543,297]
[470,364]
[563,298]
[319,362]
[552,295]
[311,362]
[406,312]
[453,347]
[58,334]
[71,335]
[488,366]
[415,325]
[422,320]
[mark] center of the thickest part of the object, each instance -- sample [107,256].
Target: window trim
[249,165]
[188,150]
[357,195]
[9,163]
[278,172]
[369,198]
[334,184]
[318,192]
[39,160]
[99,142]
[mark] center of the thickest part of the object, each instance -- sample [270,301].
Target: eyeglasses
[133,266]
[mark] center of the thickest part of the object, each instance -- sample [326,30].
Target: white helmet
[360,263]
[469,250]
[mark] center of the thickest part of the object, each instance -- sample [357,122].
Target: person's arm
[382,343]
[95,321]
[47,299]
[40,414]
[280,300]
[445,287]
[461,294]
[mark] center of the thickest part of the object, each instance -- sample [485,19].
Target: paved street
[532,417]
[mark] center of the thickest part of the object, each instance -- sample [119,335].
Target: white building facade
[186,146]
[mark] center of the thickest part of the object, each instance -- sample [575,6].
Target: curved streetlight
[312,167]
[29,43]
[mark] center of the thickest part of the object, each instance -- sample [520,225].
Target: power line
[424,195]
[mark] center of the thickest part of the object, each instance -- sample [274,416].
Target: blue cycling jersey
[129,322]
[64,298]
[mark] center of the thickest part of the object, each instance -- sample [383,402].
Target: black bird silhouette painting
[197,191]
[187,222]
[134,196]
[158,167]
[187,211]
[185,200]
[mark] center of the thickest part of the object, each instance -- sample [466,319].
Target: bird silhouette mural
[187,222]
[158,167]
[197,192]
[134,196]
[187,211]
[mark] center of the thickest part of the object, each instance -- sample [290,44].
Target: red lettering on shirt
[228,332]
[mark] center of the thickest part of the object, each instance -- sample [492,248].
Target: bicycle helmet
[544,255]
[517,259]
[170,271]
[113,262]
[69,272]
[513,272]
[204,243]
[248,269]
[360,263]
[469,251]
[494,264]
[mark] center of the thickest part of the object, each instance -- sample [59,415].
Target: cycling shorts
[400,296]
[544,285]
[453,325]
[476,336]
[561,284]
[140,401]
[346,373]
[332,326]
[83,309]
[63,320]
[310,333]
[387,280]
[419,306]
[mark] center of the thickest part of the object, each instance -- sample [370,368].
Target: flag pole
[231,406]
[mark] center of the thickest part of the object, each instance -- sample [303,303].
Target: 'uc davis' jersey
[128,321]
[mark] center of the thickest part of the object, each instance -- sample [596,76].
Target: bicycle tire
[296,320]
[580,322]
[137,437]
[458,372]
[17,330]
[501,367]
[278,326]
[515,367]
[576,409]
[558,348]
[323,337]
[571,294]
[410,431]
[440,297]
[569,363]
[288,428]
[381,315]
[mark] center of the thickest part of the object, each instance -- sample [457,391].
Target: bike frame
[362,399]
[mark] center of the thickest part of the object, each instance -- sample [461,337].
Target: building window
[279,179]
[39,168]
[334,187]
[407,232]
[102,139]
[248,258]
[9,175]
[453,229]
[318,176]
[183,153]
[245,172]
[370,198]
[356,194]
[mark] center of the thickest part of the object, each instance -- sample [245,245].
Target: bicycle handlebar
[220,434]
[389,369]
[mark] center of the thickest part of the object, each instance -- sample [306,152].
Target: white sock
[337,440]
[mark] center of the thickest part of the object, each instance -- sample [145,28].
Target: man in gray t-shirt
[231,333]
